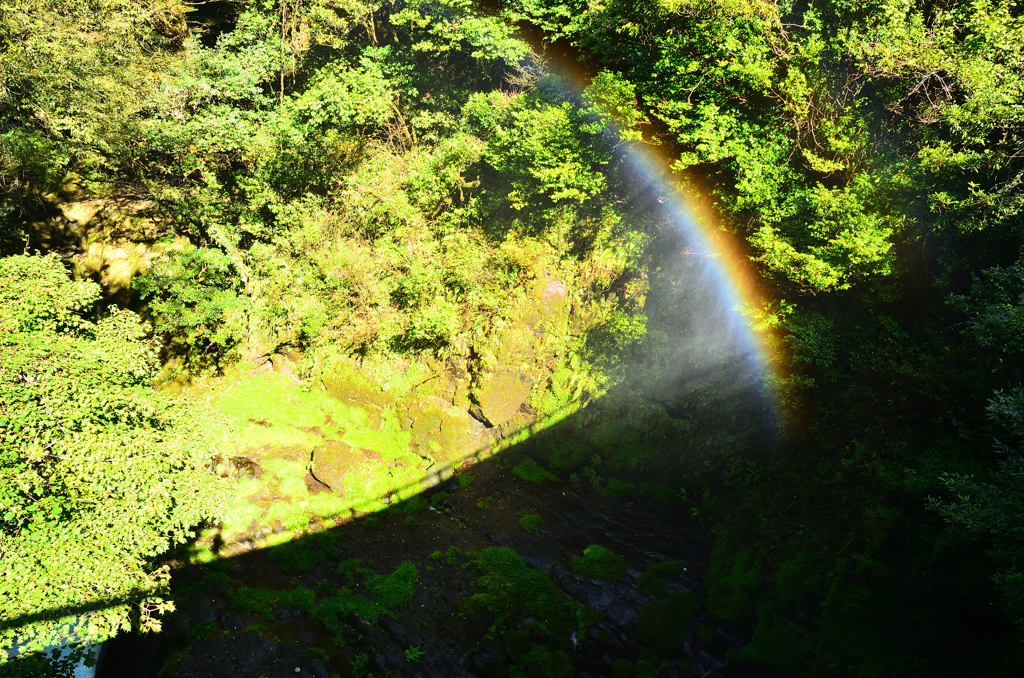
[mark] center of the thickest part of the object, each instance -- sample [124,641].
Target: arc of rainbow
[741,292]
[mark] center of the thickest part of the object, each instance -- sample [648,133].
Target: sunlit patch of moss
[599,563]
[532,472]
[530,522]
[664,623]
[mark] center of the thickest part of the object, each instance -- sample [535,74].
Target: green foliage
[464,480]
[600,563]
[202,631]
[98,473]
[623,668]
[995,508]
[301,555]
[263,601]
[395,589]
[511,590]
[665,623]
[414,654]
[532,472]
[530,522]
[732,582]
[652,584]
[194,299]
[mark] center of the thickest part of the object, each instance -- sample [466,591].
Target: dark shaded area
[218,629]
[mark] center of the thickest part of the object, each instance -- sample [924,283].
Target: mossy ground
[277,423]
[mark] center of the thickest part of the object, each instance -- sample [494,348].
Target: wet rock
[622,615]
[245,655]
[395,630]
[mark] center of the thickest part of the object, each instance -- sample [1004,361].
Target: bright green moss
[395,589]
[599,563]
[530,522]
[532,472]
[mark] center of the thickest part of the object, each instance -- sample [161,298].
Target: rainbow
[742,294]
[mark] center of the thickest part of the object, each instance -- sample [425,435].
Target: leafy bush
[99,474]
[194,297]
[664,623]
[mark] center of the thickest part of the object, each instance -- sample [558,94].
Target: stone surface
[501,394]
[332,460]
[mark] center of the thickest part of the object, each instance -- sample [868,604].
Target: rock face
[454,409]
[501,394]
[332,460]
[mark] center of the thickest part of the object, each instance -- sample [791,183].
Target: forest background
[371,183]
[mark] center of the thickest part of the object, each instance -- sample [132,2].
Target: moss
[532,472]
[484,504]
[345,602]
[530,522]
[733,579]
[263,601]
[586,618]
[599,563]
[664,623]
[299,556]
[511,589]
[667,567]
[201,631]
[651,580]
[437,500]
[395,589]
[543,662]
[320,653]
[252,601]
[411,506]
[464,480]
[705,635]
[652,584]
[618,488]
[349,569]
[623,668]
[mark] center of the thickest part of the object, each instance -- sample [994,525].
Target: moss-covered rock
[332,460]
